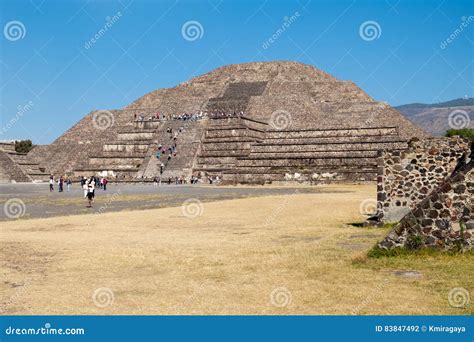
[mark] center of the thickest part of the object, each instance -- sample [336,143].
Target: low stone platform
[315,155]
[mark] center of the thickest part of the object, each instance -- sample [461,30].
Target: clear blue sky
[45,62]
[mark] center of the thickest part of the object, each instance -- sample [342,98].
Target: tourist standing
[61,183]
[85,188]
[51,183]
[68,183]
[155,182]
[104,183]
[91,193]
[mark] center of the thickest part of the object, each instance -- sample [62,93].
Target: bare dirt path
[37,202]
[277,254]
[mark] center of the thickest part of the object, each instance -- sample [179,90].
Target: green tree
[465,132]
[23,146]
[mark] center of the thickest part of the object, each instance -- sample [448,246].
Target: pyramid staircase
[132,156]
[226,139]
[122,158]
[188,142]
[18,166]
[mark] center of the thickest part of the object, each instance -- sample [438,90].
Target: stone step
[27,163]
[40,176]
[302,169]
[234,133]
[334,132]
[306,169]
[328,176]
[144,125]
[7,147]
[217,160]
[133,130]
[310,148]
[135,137]
[233,139]
[213,168]
[313,154]
[335,140]
[358,161]
[115,162]
[11,169]
[225,153]
[112,174]
[120,154]
[248,122]
[99,168]
[224,145]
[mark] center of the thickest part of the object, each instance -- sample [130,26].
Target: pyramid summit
[310,96]
[262,121]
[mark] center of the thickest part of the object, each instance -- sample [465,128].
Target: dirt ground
[280,254]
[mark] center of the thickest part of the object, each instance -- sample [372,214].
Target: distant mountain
[437,118]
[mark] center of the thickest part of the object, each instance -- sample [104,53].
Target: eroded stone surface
[308,98]
[444,219]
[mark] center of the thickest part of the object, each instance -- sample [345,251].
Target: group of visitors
[187,116]
[88,185]
[221,113]
[170,150]
[157,181]
[60,182]
[154,117]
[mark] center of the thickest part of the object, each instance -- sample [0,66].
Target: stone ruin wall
[444,220]
[408,177]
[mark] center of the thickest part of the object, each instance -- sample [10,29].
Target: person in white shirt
[85,188]
[90,192]
[51,183]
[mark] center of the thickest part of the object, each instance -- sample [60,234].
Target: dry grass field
[293,254]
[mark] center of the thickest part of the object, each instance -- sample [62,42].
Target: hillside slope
[437,118]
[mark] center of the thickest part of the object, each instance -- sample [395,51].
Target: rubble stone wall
[443,220]
[407,177]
